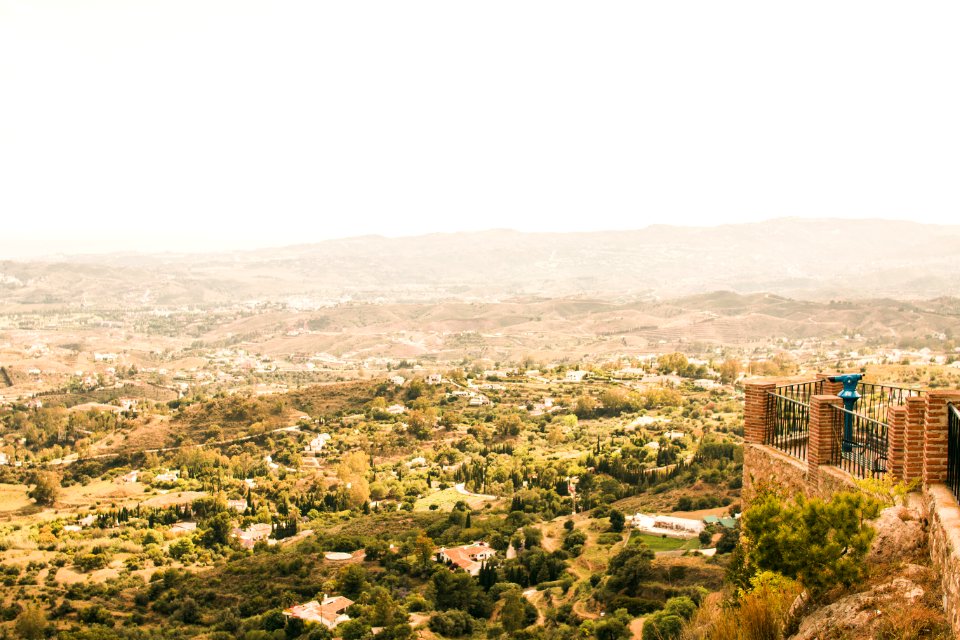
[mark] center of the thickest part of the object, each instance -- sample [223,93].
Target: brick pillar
[757,409]
[829,388]
[935,435]
[822,435]
[913,438]
[897,417]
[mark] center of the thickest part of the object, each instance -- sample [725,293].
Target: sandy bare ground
[536,599]
[99,491]
[13,497]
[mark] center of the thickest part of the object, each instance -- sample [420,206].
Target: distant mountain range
[801,258]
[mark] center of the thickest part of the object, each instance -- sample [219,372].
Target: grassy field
[13,497]
[443,499]
[446,499]
[660,543]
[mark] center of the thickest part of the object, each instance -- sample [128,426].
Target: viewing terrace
[823,434]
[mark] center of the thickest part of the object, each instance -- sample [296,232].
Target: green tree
[352,581]
[216,530]
[31,623]
[354,630]
[667,624]
[532,537]
[384,611]
[458,590]
[46,488]
[611,629]
[630,568]
[819,543]
[617,520]
[615,627]
[513,614]
[673,363]
[423,549]
[662,626]
[729,371]
[573,541]
[451,624]
[181,547]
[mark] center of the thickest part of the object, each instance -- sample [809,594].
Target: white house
[318,443]
[329,612]
[167,476]
[434,378]
[251,535]
[468,557]
[575,376]
[397,380]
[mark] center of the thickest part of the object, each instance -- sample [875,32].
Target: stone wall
[943,517]
[831,480]
[766,465]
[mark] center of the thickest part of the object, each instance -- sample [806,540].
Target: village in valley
[243,491]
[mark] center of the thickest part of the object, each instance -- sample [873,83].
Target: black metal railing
[790,430]
[876,399]
[800,391]
[860,444]
[953,450]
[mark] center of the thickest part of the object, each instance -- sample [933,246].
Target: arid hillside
[819,259]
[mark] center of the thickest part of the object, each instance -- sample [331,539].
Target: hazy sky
[136,124]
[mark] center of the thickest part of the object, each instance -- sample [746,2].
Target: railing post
[829,388]
[913,438]
[757,410]
[822,437]
[897,421]
[935,435]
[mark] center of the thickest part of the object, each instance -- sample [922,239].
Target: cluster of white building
[667,525]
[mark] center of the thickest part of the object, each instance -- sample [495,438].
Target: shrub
[759,613]
[573,542]
[452,624]
[820,543]
[662,625]
[91,561]
[96,614]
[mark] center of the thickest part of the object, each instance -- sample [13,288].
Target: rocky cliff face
[903,598]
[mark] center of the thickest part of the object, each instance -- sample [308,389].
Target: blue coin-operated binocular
[850,397]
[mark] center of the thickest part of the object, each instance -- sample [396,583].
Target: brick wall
[897,419]
[757,410]
[935,435]
[822,434]
[913,438]
[829,388]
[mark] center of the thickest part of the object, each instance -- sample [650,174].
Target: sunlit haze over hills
[190,126]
